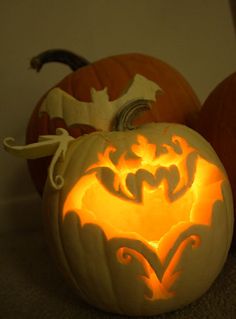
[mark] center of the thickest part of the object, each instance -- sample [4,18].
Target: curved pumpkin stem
[66,57]
[124,118]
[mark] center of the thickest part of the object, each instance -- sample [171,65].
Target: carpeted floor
[31,287]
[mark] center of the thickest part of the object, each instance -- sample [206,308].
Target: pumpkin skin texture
[178,103]
[217,123]
[165,258]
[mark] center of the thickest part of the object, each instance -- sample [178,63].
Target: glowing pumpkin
[140,221]
[113,76]
[217,123]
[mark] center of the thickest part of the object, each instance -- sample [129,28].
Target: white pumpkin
[141,221]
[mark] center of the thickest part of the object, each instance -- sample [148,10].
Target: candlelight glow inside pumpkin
[172,190]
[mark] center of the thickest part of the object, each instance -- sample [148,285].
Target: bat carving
[100,112]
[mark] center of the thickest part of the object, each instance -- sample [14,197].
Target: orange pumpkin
[217,123]
[177,103]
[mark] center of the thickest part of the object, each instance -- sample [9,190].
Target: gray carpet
[31,287]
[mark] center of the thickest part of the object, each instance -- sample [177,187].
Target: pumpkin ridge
[180,81]
[60,253]
[128,75]
[220,117]
[117,85]
[68,263]
[117,60]
[97,75]
[118,306]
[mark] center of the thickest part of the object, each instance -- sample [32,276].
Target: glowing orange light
[152,196]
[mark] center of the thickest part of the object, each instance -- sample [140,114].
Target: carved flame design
[159,277]
[175,167]
[150,197]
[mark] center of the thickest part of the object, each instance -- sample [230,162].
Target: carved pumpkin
[217,123]
[112,76]
[140,221]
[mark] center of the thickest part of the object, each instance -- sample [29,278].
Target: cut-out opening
[151,198]
[149,194]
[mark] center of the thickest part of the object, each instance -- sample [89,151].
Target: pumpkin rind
[217,123]
[178,103]
[87,254]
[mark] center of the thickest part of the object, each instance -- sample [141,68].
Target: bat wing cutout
[100,112]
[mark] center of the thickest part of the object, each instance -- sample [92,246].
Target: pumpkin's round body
[177,103]
[217,123]
[143,222]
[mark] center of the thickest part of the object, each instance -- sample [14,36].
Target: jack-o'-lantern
[140,221]
[217,123]
[80,104]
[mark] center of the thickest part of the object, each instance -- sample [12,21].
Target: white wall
[195,36]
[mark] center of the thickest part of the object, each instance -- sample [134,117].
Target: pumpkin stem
[123,120]
[66,57]
[47,145]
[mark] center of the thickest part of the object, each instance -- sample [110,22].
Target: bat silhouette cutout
[100,112]
[174,169]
